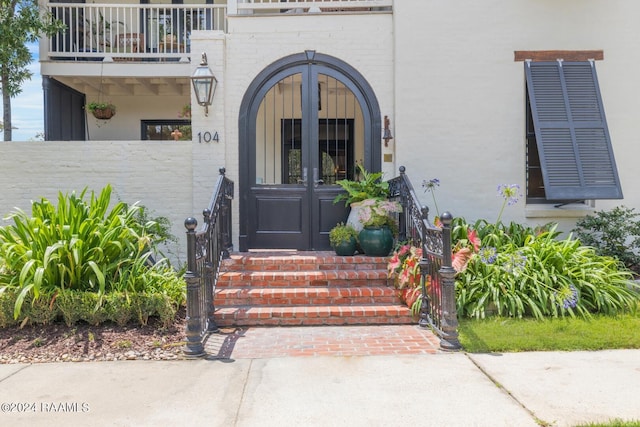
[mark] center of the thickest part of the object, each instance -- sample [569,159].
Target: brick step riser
[305,296]
[303,284]
[306,267]
[236,276]
[302,302]
[330,321]
[325,315]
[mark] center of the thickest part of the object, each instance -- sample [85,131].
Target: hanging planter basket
[104,113]
[102,110]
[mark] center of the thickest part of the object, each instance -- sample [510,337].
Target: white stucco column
[209,134]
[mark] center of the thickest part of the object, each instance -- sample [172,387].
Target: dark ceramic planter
[376,241]
[347,248]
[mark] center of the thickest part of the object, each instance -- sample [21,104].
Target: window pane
[163,130]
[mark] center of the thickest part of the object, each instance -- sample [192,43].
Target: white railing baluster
[137,31]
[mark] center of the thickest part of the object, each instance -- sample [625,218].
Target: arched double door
[306,121]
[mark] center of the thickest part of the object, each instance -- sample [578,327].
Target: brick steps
[313,315]
[247,296]
[340,278]
[306,288]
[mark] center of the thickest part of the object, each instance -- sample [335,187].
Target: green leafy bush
[520,271]
[118,307]
[83,246]
[614,233]
[369,186]
[7,302]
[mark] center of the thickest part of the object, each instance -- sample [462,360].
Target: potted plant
[343,239]
[379,226]
[369,186]
[102,110]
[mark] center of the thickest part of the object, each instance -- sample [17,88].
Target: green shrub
[165,309]
[520,271]
[7,302]
[70,305]
[92,308]
[614,233]
[118,308]
[39,311]
[82,246]
[145,305]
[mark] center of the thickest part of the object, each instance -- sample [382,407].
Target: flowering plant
[430,187]
[404,265]
[510,194]
[379,213]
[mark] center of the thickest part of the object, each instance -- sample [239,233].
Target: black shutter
[571,131]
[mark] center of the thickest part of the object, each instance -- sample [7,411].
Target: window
[335,150]
[569,156]
[163,130]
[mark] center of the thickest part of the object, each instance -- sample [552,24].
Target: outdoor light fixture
[204,84]
[386,135]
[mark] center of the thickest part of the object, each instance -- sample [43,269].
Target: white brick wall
[156,173]
[460,97]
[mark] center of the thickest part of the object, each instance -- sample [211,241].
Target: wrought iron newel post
[193,347]
[424,270]
[449,326]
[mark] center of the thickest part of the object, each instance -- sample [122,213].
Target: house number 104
[208,137]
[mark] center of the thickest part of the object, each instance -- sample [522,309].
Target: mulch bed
[85,343]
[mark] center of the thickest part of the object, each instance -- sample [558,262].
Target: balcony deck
[160,33]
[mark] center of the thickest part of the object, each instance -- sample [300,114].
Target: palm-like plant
[370,186]
[77,245]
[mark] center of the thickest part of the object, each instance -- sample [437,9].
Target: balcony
[117,32]
[161,32]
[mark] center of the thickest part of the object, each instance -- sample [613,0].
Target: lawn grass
[613,423]
[568,334]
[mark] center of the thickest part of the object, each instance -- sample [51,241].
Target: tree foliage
[21,22]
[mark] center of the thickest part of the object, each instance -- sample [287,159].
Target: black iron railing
[206,249]
[438,309]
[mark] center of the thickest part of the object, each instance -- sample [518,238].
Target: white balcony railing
[297,6]
[151,32]
[130,32]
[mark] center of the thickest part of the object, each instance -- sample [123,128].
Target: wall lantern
[386,135]
[204,84]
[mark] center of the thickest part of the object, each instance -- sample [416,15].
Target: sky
[28,107]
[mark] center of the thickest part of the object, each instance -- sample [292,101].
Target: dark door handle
[316,181]
[303,181]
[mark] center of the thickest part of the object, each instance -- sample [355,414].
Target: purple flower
[430,187]
[510,193]
[431,184]
[568,296]
[514,263]
[488,254]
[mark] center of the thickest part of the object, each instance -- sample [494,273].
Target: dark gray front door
[306,127]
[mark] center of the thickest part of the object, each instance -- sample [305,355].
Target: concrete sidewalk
[427,390]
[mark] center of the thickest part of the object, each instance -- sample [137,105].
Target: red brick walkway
[269,342]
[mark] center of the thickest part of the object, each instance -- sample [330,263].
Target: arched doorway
[305,122]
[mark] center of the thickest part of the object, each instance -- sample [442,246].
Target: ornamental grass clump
[544,277]
[82,247]
[513,270]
